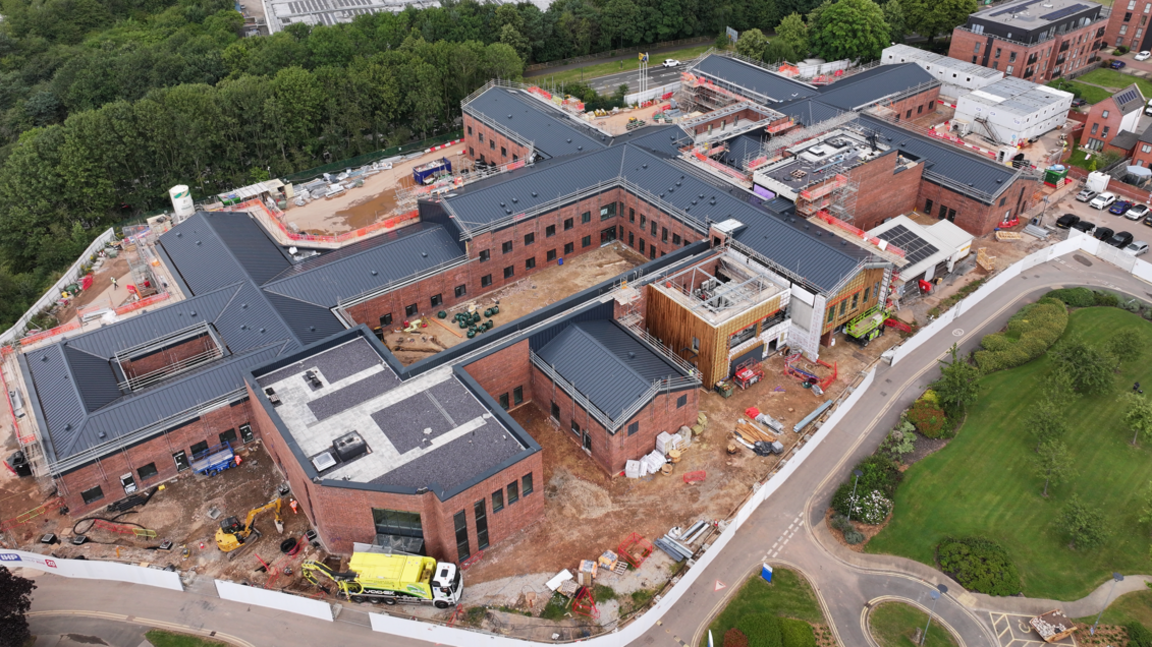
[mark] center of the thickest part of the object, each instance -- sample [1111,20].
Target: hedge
[1138,635]
[979,565]
[762,630]
[797,633]
[1029,334]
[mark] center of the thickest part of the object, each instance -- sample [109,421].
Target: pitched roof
[551,132]
[214,249]
[1129,99]
[1125,139]
[769,85]
[810,111]
[876,84]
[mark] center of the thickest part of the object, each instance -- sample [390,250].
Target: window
[93,495]
[509,271]
[643,219]
[919,108]
[411,309]
[530,263]
[1104,115]
[631,239]
[551,255]
[681,401]
[471,152]
[1003,200]
[631,215]
[641,245]
[513,492]
[567,224]
[664,234]
[1105,133]
[515,158]
[481,525]
[951,215]
[586,217]
[503,152]
[909,115]
[1095,127]
[148,471]
[504,401]
[550,231]
[199,448]
[469,130]
[928,206]
[506,247]
[497,500]
[485,255]
[607,211]
[831,314]
[586,241]
[575,427]
[461,290]
[977,50]
[529,239]
[485,280]
[633,428]
[652,251]
[1008,70]
[569,247]
[695,344]
[843,307]
[866,291]
[437,300]
[943,211]
[526,485]
[518,395]
[397,522]
[675,239]
[555,412]
[228,437]
[246,433]
[492,144]
[653,227]
[481,138]
[997,52]
[855,300]
[386,320]
[1011,57]
[1146,148]
[460,521]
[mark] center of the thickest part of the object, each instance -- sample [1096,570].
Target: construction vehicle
[748,374]
[377,577]
[426,174]
[232,534]
[214,460]
[866,326]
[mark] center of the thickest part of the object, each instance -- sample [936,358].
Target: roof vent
[243,326]
[533,194]
[349,446]
[643,166]
[509,116]
[579,148]
[102,434]
[179,234]
[311,328]
[43,358]
[192,314]
[68,427]
[843,243]
[243,306]
[198,242]
[631,355]
[999,181]
[261,330]
[501,204]
[423,254]
[515,200]
[374,272]
[569,140]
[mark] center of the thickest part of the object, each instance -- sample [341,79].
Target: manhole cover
[958,332]
[1081,260]
[213,512]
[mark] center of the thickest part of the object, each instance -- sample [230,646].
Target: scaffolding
[137,246]
[774,147]
[715,299]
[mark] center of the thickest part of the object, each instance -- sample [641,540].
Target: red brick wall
[1082,45]
[1140,157]
[168,356]
[634,209]
[882,192]
[500,373]
[419,293]
[490,148]
[727,121]
[107,471]
[917,105]
[1138,21]
[1127,191]
[342,516]
[1097,120]
[973,216]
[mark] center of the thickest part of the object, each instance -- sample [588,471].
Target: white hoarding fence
[274,600]
[92,569]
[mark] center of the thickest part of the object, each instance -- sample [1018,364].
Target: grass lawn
[168,639]
[1130,607]
[981,483]
[1115,79]
[1089,93]
[893,624]
[789,595]
[614,67]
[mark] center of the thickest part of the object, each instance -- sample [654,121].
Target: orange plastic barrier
[32,339]
[142,303]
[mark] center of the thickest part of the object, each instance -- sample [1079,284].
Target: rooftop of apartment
[1030,15]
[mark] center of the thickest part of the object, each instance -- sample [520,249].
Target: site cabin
[377,577]
[214,460]
[427,173]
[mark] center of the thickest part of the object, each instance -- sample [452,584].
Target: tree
[1146,511]
[794,33]
[778,52]
[850,29]
[1046,421]
[1138,417]
[15,601]
[752,43]
[511,37]
[1089,368]
[1085,526]
[894,16]
[1125,346]
[930,18]
[1053,463]
[957,388]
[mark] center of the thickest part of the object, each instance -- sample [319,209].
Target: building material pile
[1053,626]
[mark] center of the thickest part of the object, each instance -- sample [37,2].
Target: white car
[1102,201]
[1137,212]
[1138,248]
[671,62]
[1143,56]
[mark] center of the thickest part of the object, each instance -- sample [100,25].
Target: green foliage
[899,442]
[603,593]
[1138,416]
[161,638]
[752,44]
[1106,299]
[1046,421]
[1125,345]
[894,16]
[928,418]
[556,608]
[879,473]
[930,18]
[762,630]
[15,601]
[957,387]
[789,595]
[851,535]
[1029,334]
[1084,525]
[1053,463]
[1138,635]
[850,29]
[797,633]
[1088,368]
[794,33]
[979,565]
[778,52]
[1074,297]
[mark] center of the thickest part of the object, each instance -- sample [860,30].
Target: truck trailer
[376,577]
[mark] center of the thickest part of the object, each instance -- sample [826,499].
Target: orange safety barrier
[25,517]
[32,339]
[142,303]
[860,233]
[635,549]
[351,235]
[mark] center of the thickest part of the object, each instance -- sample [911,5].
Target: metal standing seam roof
[552,133]
[661,140]
[214,249]
[605,363]
[875,84]
[776,87]
[810,111]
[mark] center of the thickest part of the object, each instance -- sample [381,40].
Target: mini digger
[232,535]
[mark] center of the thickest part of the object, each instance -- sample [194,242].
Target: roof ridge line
[604,348]
[420,232]
[79,398]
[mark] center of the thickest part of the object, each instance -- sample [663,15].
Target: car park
[1086,195]
[1118,65]
[1143,56]
[1102,201]
[1085,226]
[1138,248]
[1120,239]
[671,62]
[1137,212]
[1120,207]
[1067,220]
[1103,233]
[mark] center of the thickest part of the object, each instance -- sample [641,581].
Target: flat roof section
[816,161]
[1032,14]
[428,430]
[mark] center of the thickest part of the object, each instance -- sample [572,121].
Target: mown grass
[1115,79]
[789,595]
[1130,607]
[1089,93]
[893,624]
[160,638]
[981,483]
[589,72]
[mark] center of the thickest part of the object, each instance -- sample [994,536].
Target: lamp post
[1116,577]
[936,593]
[852,501]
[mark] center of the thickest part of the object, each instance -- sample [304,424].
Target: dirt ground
[101,294]
[522,297]
[357,208]
[617,124]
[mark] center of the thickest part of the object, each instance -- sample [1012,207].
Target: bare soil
[101,294]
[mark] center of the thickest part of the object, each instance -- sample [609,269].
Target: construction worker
[238,460]
[114,284]
[293,505]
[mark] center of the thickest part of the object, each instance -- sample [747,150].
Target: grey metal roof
[553,133]
[1146,136]
[657,139]
[611,367]
[325,279]
[1129,99]
[214,249]
[775,87]
[809,111]
[99,384]
[875,84]
[59,399]
[741,148]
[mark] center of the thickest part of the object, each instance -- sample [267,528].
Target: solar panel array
[915,248]
[1017,8]
[1126,96]
[1066,11]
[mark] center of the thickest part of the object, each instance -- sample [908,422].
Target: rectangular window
[246,433]
[909,115]
[437,300]
[526,485]
[506,247]
[386,320]
[471,152]
[485,280]
[551,255]
[181,460]
[977,50]
[1105,133]
[509,271]
[855,300]
[518,395]
[513,492]
[928,207]
[633,428]
[550,231]
[866,291]
[504,401]
[1146,148]
[831,314]
[652,251]
[481,525]
[569,247]
[631,239]
[1008,70]
[681,401]
[481,138]
[199,448]
[503,152]
[469,130]
[631,215]
[664,234]
[586,241]
[1104,115]
[607,211]
[460,520]
[492,144]
[586,217]
[567,224]
[951,215]
[397,522]
[675,239]
[1011,57]
[643,219]
[1095,127]
[654,228]
[919,109]
[497,500]
[555,412]
[530,263]
[943,211]
[485,255]
[228,437]
[411,310]
[843,307]
[695,344]
[148,471]
[575,427]
[931,105]
[92,495]
[529,239]
[641,245]
[461,290]
[997,52]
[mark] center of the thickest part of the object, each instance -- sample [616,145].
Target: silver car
[1138,248]
[1086,195]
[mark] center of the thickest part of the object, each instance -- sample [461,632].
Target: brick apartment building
[1119,113]
[1142,150]
[1036,40]
[1128,25]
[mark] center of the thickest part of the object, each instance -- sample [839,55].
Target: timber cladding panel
[851,300]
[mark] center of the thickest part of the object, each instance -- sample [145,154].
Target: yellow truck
[377,577]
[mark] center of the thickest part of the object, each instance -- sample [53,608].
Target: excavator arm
[256,511]
[310,569]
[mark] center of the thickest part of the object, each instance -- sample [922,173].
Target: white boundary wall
[461,638]
[92,569]
[274,600]
[72,275]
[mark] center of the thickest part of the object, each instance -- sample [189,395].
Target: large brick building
[1128,25]
[1119,113]
[1035,40]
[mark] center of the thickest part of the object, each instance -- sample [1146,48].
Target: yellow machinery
[232,534]
[376,577]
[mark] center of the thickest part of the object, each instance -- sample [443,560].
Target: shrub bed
[874,491]
[928,418]
[1029,334]
[979,565]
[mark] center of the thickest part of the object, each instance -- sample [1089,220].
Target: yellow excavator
[232,534]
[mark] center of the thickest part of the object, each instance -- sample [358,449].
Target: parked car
[1078,102]
[1086,195]
[1102,201]
[1067,221]
[1085,226]
[1117,65]
[1120,239]
[671,62]
[1120,207]
[1138,248]
[1137,212]
[1148,108]
[1143,56]
[1104,233]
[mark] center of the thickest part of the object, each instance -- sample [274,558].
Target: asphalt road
[657,76]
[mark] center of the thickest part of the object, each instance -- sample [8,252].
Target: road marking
[719,585]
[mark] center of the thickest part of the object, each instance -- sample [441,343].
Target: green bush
[928,418]
[880,472]
[762,630]
[853,536]
[1029,334]
[1074,297]
[1106,299]
[797,633]
[979,565]
[1138,635]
